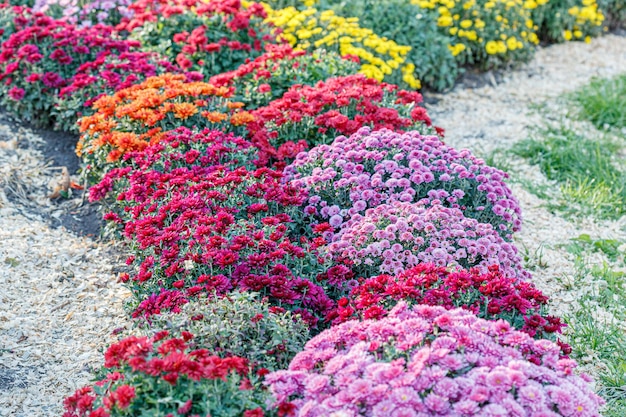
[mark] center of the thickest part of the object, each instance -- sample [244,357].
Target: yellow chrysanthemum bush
[444,34]
[487,33]
[432,52]
[565,20]
[309,28]
[447,35]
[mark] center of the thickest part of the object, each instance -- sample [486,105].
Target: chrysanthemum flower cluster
[368,169]
[490,295]
[40,56]
[211,36]
[134,117]
[138,369]
[76,12]
[429,361]
[270,75]
[311,115]
[394,237]
[105,76]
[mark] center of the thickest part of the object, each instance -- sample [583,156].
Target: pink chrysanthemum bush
[429,361]
[166,376]
[370,168]
[78,12]
[489,295]
[394,237]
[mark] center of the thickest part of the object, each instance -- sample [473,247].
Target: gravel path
[60,300]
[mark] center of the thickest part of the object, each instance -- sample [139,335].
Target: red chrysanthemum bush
[135,117]
[210,36]
[269,76]
[42,56]
[166,376]
[311,115]
[199,228]
[429,361]
[490,295]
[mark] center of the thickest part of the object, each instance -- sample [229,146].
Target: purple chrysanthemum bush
[394,237]
[369,168]
[429,361]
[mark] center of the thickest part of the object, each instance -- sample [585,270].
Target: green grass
[595,338]
[590,170]
[603,102]
[533,259]
[607,342]
[609,247]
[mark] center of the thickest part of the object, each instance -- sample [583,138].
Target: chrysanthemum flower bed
[438,37]
[237,258]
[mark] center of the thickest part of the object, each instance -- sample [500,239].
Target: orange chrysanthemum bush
[138,116]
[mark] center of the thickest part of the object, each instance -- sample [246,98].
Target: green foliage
[7,25]
[564,20]
[610,247]
[603,102]
[27,3]
[589,170]
[615,13]
[239,324]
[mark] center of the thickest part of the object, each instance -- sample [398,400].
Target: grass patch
[606,342]
[590,171]
[595,331]
[533,259]
[603,102]
[609,247]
